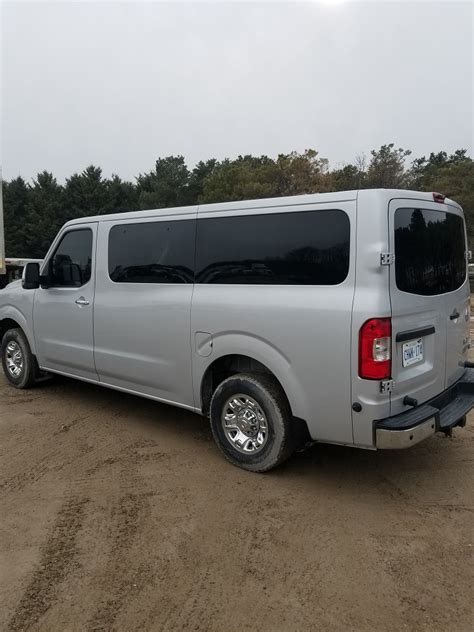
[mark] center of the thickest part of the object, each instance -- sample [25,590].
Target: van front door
[428,293]
[63,311]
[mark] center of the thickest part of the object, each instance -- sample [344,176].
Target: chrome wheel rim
[245,424]
[14,359]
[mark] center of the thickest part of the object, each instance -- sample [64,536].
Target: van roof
[294,200]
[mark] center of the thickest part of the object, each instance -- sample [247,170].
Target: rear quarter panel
[371,300]
[302,334]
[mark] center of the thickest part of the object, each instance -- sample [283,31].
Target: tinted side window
[303,248]
[152,252]
[429,251]
[71,264]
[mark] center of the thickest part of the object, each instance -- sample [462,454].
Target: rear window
[429,251]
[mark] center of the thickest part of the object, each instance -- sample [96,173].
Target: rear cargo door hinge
[387,258]
[386,386]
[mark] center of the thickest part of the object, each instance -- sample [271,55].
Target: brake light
[439,197]
[375,349]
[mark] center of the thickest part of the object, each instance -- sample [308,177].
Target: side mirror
[31,276]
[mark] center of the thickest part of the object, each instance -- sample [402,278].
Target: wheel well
[224,367]
[6,324]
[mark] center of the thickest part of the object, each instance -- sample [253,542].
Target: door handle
[82,301]
[454,315]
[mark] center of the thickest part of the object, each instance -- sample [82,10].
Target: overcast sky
[120,84]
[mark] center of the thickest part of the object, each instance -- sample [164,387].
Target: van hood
[10,291]
[13,285]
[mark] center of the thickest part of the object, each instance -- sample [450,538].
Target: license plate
[412,352]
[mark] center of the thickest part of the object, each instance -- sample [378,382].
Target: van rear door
[458,305]
[429,295]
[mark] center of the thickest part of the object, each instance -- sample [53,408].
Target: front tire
[251,422]
[19,364]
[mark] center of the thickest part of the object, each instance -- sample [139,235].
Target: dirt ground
[118,513]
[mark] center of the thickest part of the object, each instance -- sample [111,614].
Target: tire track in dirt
[64,455]
[30,475]
[135,454]
[48,463]
[119,576]
[58,557]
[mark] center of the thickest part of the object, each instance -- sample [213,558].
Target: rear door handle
[455,315]
[82,301]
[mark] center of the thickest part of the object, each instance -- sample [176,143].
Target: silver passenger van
[339,318]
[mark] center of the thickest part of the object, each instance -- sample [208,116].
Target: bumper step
[449,416]
[443,412]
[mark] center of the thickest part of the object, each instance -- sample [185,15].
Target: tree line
[34,211]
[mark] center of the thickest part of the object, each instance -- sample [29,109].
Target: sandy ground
[118,513]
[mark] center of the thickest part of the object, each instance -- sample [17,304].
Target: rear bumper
[440,414]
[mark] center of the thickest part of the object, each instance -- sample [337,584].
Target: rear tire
[19,364]
[251,422]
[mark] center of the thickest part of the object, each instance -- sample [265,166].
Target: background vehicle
[471,275]
[14,269]
[341,317]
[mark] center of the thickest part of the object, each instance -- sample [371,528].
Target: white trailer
[13,269]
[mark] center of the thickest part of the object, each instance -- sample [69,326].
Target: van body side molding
[414,333]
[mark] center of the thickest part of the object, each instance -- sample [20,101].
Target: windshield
[430,251]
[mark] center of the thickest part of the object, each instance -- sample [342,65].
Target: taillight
[439,197]
[375,346]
